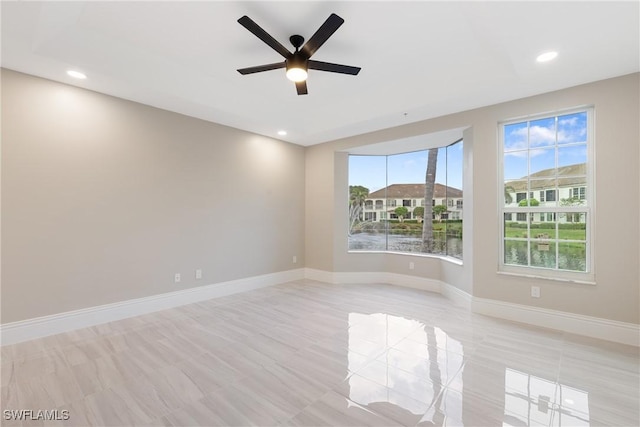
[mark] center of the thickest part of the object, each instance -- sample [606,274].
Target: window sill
[448,259]
[587,281]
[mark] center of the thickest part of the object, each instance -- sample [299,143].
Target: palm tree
[357,195]
[429,187]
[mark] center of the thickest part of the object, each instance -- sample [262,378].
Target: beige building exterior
[381,204]
[567,188]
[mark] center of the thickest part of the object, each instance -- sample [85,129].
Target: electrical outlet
[198,274]
[535,291]
[176,278]
[411,266]
[295,259]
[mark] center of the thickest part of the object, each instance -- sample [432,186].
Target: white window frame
[587,277]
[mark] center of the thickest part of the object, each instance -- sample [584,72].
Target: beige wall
[103,200]
[615,296]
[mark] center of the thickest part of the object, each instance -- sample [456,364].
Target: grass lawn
[550,231]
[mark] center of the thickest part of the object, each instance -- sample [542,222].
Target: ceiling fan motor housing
[298,60]
[296,40]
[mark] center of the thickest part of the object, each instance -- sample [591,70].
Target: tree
[508,198]
[529,202]
[357,195]
[418,213]
[402,212]
[429,187]
[571,201]
[438,210]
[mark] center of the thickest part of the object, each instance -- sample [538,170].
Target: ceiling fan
[298,63]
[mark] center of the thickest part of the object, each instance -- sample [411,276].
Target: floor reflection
[410,362]
[416,373]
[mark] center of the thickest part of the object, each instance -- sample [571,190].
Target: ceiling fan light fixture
[297,74]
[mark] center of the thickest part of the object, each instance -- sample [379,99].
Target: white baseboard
[25,330]
[456,296]
[621,332]
[594,327]
[319,275]
[336,278]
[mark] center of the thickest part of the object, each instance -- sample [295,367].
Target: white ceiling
[424,59]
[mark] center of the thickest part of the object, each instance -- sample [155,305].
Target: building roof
[414,191]
[567,176]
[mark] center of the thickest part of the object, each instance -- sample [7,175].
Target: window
[379,205]
[400,179]
[450,203]
[368,204]
[549,157]
[579,193]
[458,204]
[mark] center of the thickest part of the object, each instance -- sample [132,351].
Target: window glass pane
[542,162]
[454,169]
[371,238]
[572,256]
[515,225]
[541,188]
[543,254]
[367,182]
[515,252]
[572,226]
[572,160]
[454,239]
[389,215]
[406,175]
[404,241]
[511,191]
[572,128]
[515,165]
[542,225]
[573,191]
[515,137]
[542,132]
[545,166]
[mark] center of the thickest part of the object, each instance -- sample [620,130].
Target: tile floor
[308,353]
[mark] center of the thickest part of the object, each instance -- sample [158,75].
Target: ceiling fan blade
[250,25]
[329,27]
[260,68]
[301,87]
[333,68]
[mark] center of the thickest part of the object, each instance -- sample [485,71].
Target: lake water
[451,246]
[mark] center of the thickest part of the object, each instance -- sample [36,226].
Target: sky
[530,147]
[406,168]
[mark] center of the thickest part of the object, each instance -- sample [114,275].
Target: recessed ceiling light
[76,74]
[282,132]
[547,56]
